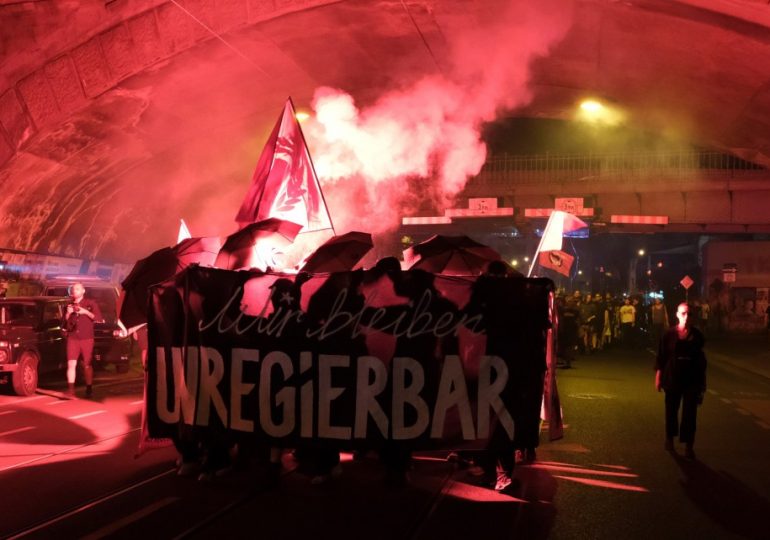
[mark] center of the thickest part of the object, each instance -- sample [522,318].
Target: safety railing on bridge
[636,166]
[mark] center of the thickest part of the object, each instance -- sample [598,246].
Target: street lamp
[641,252]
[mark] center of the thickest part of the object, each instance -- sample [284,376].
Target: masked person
[680,370]
[81,315]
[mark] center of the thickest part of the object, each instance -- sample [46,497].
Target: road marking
[712,392]
[762,424]
[140,402]
[58,402]
[725,400]
[84,415]
[7,412]
[136,516]
[13,431]
[744,412]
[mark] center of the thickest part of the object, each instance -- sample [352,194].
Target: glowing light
[515,262]
[602,483]
[641,252]
[649,272]
[580,470]
[468,492]
[301,116]
[526,259]
[660,264]
[596,112]
[580,272]
[591,106]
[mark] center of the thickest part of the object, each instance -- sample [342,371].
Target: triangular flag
[184,232]
[558,261]
[284,184]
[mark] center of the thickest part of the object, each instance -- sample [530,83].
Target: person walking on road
[705,312]
[659,321]
[81,315]
[680,371]
[627,321]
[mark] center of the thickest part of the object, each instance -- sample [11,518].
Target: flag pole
[310,157]
[540,244]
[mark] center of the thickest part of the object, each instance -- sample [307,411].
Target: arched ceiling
[118,117]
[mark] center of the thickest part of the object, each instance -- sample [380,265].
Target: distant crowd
[589,323]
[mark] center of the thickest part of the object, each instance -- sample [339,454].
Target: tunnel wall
[65,83]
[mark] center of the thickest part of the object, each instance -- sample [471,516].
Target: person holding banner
[680,371]
[513,334]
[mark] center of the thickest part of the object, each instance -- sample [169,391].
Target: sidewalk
[748,352]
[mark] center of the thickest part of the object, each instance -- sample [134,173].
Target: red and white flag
[285,184]
[559,224]
[556,260]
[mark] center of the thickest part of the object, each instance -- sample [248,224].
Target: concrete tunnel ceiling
[119,117]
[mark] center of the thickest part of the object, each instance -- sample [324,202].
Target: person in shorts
[81,315]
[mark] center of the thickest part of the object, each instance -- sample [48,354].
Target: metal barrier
[632,166]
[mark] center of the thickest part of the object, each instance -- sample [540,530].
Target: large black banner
[348,358]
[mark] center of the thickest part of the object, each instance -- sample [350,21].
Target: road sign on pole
[686,283]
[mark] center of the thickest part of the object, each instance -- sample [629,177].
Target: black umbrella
[339,253]
[452,255]
[160,266]
[266,236]
[201,251]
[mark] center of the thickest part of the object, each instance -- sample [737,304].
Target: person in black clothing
[81,315]
[569,327]
[680,371]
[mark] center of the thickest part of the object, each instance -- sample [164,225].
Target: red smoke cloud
[417,146]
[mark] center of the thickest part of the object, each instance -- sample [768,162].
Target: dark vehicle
[109,348]
[31,340]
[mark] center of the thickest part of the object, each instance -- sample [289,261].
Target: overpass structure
[686,191]
[119,117]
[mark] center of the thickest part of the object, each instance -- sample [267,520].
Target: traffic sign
[687,282]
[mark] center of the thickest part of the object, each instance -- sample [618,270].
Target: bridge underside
[118,118]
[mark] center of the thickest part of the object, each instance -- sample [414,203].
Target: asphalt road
[68,470]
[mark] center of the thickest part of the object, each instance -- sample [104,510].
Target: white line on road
[712,392]
[762,424]
[58,402]
[136,516]
[84,415]
[725,400]
[141,401]
[7,412]
[744,412]
[13,431]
